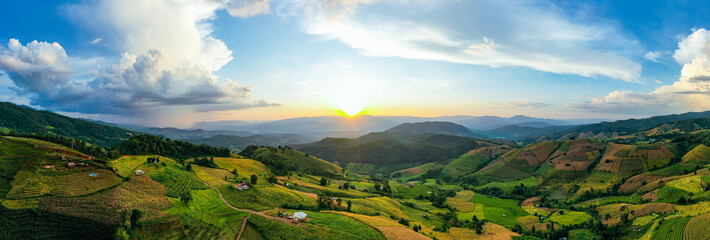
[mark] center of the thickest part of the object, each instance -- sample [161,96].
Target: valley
[430,180]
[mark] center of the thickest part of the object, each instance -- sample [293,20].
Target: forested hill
[27,120]
[156,145]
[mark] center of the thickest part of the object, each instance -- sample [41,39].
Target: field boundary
[244,224]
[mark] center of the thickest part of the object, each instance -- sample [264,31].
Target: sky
[176,62]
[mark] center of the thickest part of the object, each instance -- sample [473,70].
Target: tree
[272,179]
[186,197]
[121,234]
[346,185]
[323,181]
[188,167]
[254,178]
[135,215]
[350,204]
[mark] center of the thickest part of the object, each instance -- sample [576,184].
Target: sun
[351,110]
[350,104]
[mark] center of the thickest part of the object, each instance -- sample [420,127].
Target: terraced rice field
[177,180]
[462,201]
[671,194]
[641,221]
[532,221]
[44,144]
[140,192]
[206,207]
[671,229]
[477,211]
[66,183]
[244,167]
[691,184]
[371,206]
[42,224]
[634,183]
[569,217]
[501,211]
[391,229]
[534,210]
[343,226]
[697,228]
[634,211]
[701,153]
[212,176]
[12,157]
[263,198]
[333,191]
[691,210]
[126,165]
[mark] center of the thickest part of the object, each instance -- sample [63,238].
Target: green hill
[393,151]
[283,159]
[27,120]
[472,161]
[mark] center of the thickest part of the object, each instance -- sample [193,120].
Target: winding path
[244,224]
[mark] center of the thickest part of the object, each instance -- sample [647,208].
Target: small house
[93,174]
[64,157]
[139,172]
[299,216]
[71,164]
[242,186]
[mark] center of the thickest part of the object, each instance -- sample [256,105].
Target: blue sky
[172,62]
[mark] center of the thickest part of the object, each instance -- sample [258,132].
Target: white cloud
[532,34]
[168,56]
[136,85]
[182,29]
[690,92]
[36,67]
[693,46]
[653,55]
[527,104]
[248,8]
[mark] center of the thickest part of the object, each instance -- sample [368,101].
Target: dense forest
[149,144]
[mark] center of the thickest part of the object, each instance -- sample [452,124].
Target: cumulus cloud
[36,67]
[181,29]
[527,104]
[166,61]
[487,32]
[137,84]
[696,45]
[690,92]
[248,8]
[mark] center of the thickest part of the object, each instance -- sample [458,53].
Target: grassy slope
[299,160]
[464,165]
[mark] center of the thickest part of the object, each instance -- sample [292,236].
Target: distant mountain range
[239,143]
[176,133]
[342,126]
